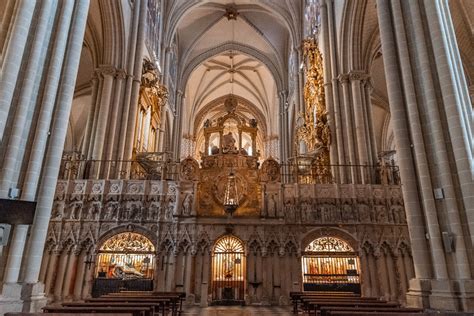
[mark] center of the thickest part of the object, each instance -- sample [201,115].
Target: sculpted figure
[228,143]
[187,205]
[75,211]
[58,211]
[93,212]
[271,206]
[111,212]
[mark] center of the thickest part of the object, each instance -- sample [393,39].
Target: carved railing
[72,169]
[296,171]
[306,172]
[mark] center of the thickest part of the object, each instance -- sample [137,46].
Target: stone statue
[271,206]
[187,205]
[111,211]
[75,211]
[93,212]
[228,144]
[57,213]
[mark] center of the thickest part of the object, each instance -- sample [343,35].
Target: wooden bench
[176,298]
[296,296]
[316,305]
[156,307]
[161,303]
[352,313]
[328,310]
[65,314]
[134,311]
[311,300]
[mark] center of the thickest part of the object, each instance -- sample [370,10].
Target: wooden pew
[314,306]
[161,302]
[134,311]
[307,301]
[155,306]
[65,314]
[352,313]
[177,297]
[328,310]
[296,296]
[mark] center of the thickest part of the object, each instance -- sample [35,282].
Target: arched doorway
[330,264]
[125,261]
[228,271]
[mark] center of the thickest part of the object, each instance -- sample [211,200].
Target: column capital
[120,74]
[368,83]
[94,78]
[358,75]
[106,70]
[343,78]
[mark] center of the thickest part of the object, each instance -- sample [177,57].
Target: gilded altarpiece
[224,154]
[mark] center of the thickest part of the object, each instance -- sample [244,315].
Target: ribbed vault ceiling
[260,41]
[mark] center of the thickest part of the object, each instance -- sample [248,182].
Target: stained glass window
[312,18]
[153,37]
[126,256]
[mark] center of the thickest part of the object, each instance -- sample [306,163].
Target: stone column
[360,123]
[332,110]
[366,284]
[15,254]
[108,73]
[79,282]
[384,286]
[56,142]
[50,90]
[130,131]
[22,107]
[456,111]
[338,111]
[344,80]
[52,270]
[71,274]
[45,265]
[369,118]
[177,126]
[131,79]
[422,165]
[112,136]
[87,143]
[12,57]
[421,255]
[88,276]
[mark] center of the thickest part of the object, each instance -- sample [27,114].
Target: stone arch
[332,232]
[127,229]
[278,75]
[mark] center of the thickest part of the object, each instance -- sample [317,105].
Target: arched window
[330,264]
[228,270]
[126,256]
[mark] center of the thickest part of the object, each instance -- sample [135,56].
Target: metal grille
[330,264]
[228,271]
[126,256]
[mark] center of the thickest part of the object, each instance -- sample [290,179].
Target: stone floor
[237,311]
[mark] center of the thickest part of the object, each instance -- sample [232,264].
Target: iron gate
[330,264]
[228,271]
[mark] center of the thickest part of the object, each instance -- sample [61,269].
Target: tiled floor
[237,311]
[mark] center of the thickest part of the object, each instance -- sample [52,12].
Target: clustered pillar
[421,57]
[37,116]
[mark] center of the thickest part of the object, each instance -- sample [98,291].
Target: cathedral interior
[237,151]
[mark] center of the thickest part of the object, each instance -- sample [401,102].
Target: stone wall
[87,212]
